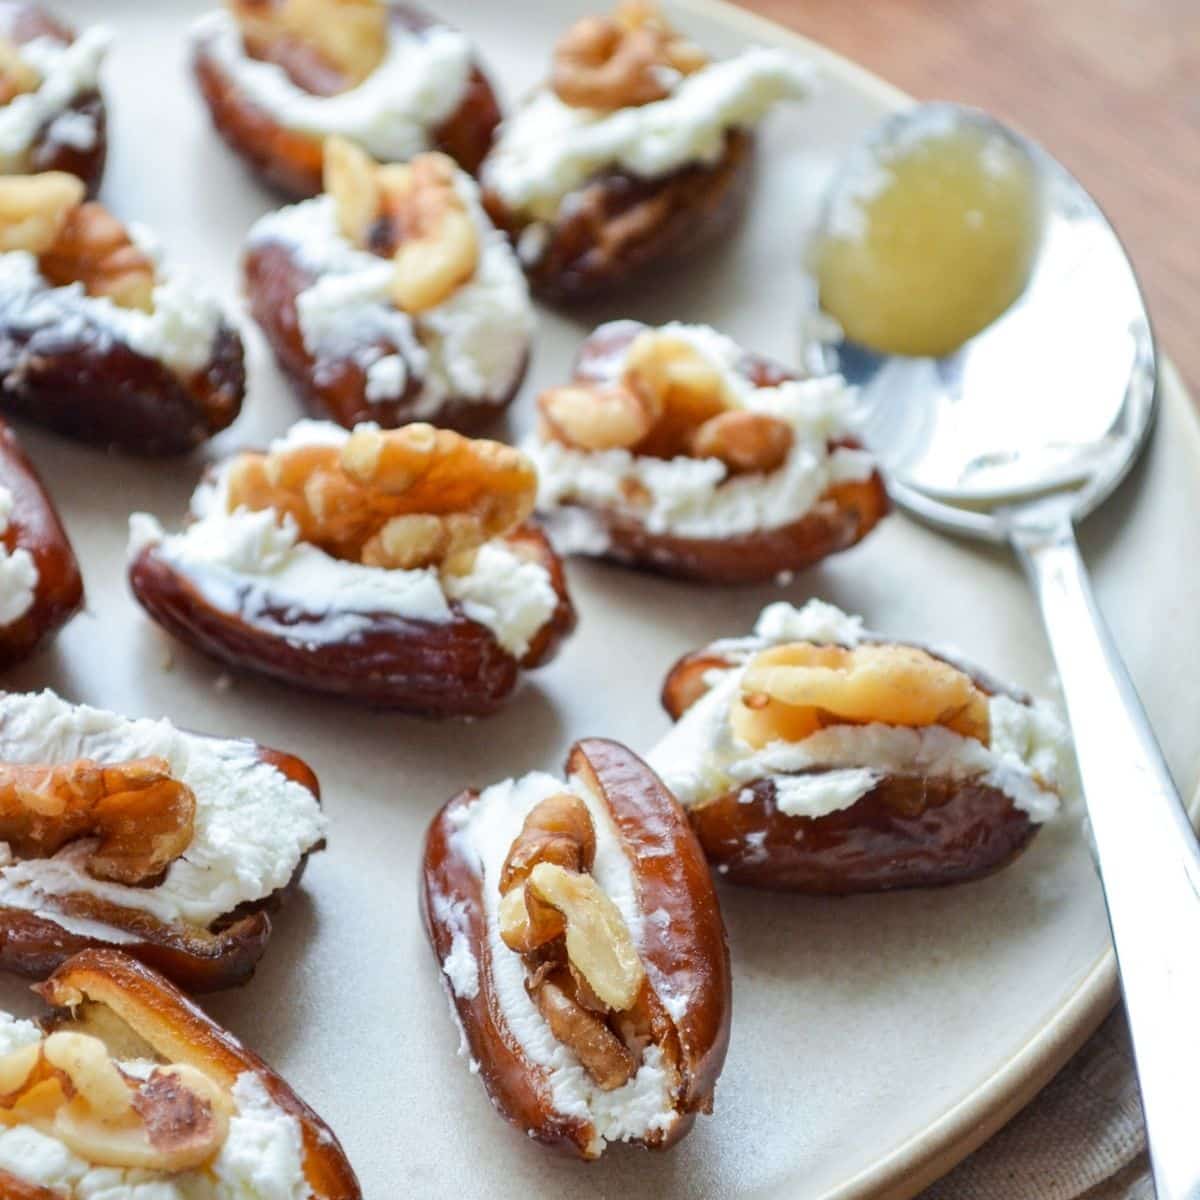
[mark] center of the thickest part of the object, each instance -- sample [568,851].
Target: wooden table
[1111,87]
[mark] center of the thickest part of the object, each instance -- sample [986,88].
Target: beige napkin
[1081,1138]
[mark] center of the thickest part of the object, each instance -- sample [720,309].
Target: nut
[598,941]
[350,35]
[411,212]
[788,692]
[621,61]
[95,249]
[68,1087]
[34,209]
[350,501]
[17,77]
[598,417]
[744,441]
[603,1055]
[558,830]
[143,817]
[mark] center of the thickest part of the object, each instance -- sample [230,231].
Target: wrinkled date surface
[908,831]
[24,22]
[617,229]
[291,161]
[841,518]
[108,995]
[683,951]
[33,524]
[455,668]
[200,960]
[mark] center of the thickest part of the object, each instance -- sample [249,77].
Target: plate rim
[940,1146]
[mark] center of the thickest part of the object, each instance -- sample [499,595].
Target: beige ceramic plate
[875,1040]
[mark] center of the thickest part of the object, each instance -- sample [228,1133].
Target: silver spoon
[1014,438]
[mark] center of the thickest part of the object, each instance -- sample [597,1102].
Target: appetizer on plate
[636,152]
[279,76]
[815,756]
[98,339]
[583,951]
[52,115]
[40,585]
[674,450]
[392,298]
[393,568]
[132,833]
[126,1089]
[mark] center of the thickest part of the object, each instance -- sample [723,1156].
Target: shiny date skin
[291,162]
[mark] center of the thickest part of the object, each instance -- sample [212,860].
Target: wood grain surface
[1110,87]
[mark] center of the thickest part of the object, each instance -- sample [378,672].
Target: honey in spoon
[929,237]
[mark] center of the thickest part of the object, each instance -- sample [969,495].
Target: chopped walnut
[584,973]
[631,58]
[34,209]
[17,77]
[68,1087]
[410,497]
[143,817]
[670,400]
[409,212]
[789,692]
[350,36]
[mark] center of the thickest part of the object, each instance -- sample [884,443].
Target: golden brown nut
[671,998]
[291,160]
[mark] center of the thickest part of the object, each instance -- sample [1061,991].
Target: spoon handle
[1145,850]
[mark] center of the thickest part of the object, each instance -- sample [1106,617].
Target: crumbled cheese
[548,149]
[697,497]
[252,823]
[18,571]
[66,71]
[392,114]
[1029,758]
[253,563]
[645,1104]
[472,346]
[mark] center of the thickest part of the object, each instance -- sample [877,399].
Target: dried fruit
[143,817]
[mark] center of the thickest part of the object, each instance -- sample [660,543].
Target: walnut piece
[789,692]
[68,1087]
[34,209]
[670,400]
[17,77]
[349,35]
[399,498]
[143,817]
[409,212]
[631,58]
[95,249]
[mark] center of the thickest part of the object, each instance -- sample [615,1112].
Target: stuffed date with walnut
[279,76]
[635,154]
[583,950]
[395,568]
[174,846]
[814,756]
[675,451]
[98,340]
[40,585]
[125,1087]
[51,108]
[391,298]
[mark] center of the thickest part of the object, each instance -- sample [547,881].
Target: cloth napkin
[1081,1139]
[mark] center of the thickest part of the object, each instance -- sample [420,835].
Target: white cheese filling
[471,346]
[645,1104]
[547,149]
[391,114]
[251,563]
[18,571]
[1029,758]
[179,331]
[262,1158]
[697,497]
[253,825]
[66,72]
